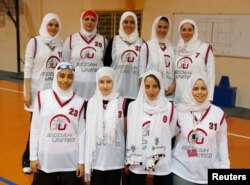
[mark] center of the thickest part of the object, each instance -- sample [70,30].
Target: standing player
[57,132]
[105,131]
[158,54]
[122,55]
[202,140]
[85,50]
[192,56]
[151,125]
[42,54]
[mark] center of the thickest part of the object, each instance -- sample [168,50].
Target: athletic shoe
[27,170]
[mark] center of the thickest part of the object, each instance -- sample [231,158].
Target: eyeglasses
[66,66]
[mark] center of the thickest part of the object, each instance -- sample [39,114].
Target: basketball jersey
[194,166]
[198,63]
[40,62]
[112,157]
[87,56]
[147,55]
[57,132]
[125,59]
[163,167]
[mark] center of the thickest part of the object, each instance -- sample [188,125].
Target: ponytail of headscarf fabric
[45,36]
[188,48]
[95,118]
[131,38]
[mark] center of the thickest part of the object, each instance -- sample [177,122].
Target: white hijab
[86,34]
[190,47]
[158,59]
[135,119]
[45,36]
[188,102]
[154,36]
[131,38]
[63,95]
[95,118]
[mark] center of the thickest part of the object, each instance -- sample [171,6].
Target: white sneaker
[27,170]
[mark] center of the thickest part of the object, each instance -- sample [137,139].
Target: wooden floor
[14,128]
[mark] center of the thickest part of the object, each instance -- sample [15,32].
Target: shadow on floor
[238,112]
[11,76]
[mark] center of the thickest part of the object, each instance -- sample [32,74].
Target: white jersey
[87,56]
[112,157]
[125,59]
[57,132]
[163,167]
[147,56]
[193,156]
[201,62]
[40,62]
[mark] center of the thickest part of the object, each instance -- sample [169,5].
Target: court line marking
[11,90]
[237,135]
[6,181]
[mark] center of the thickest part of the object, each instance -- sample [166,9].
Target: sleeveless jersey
[185,66]
[40,62]
[147,55]
[208,154]
[163,167]
[125,59]
[112,157]
[58,143]
[87,56]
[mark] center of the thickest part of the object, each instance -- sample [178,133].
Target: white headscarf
[155,108]
[154,30]
[190,47]
[158,59]
[63,95]
[45,36]
[131,38]
[86,34]
[188,102]
[95,118]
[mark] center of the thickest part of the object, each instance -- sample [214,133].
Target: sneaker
[27,170]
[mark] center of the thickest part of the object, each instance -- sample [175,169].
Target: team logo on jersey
[87,52]
[59,122]
[52,62]
[129,56]
[184,62]
[197,137]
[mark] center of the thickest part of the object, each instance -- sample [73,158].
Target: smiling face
[53,27]
[128,25]
[65,79]
[162,28]
[152,87]
[200,91]
[187,31]
[105,85]
[89,23]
